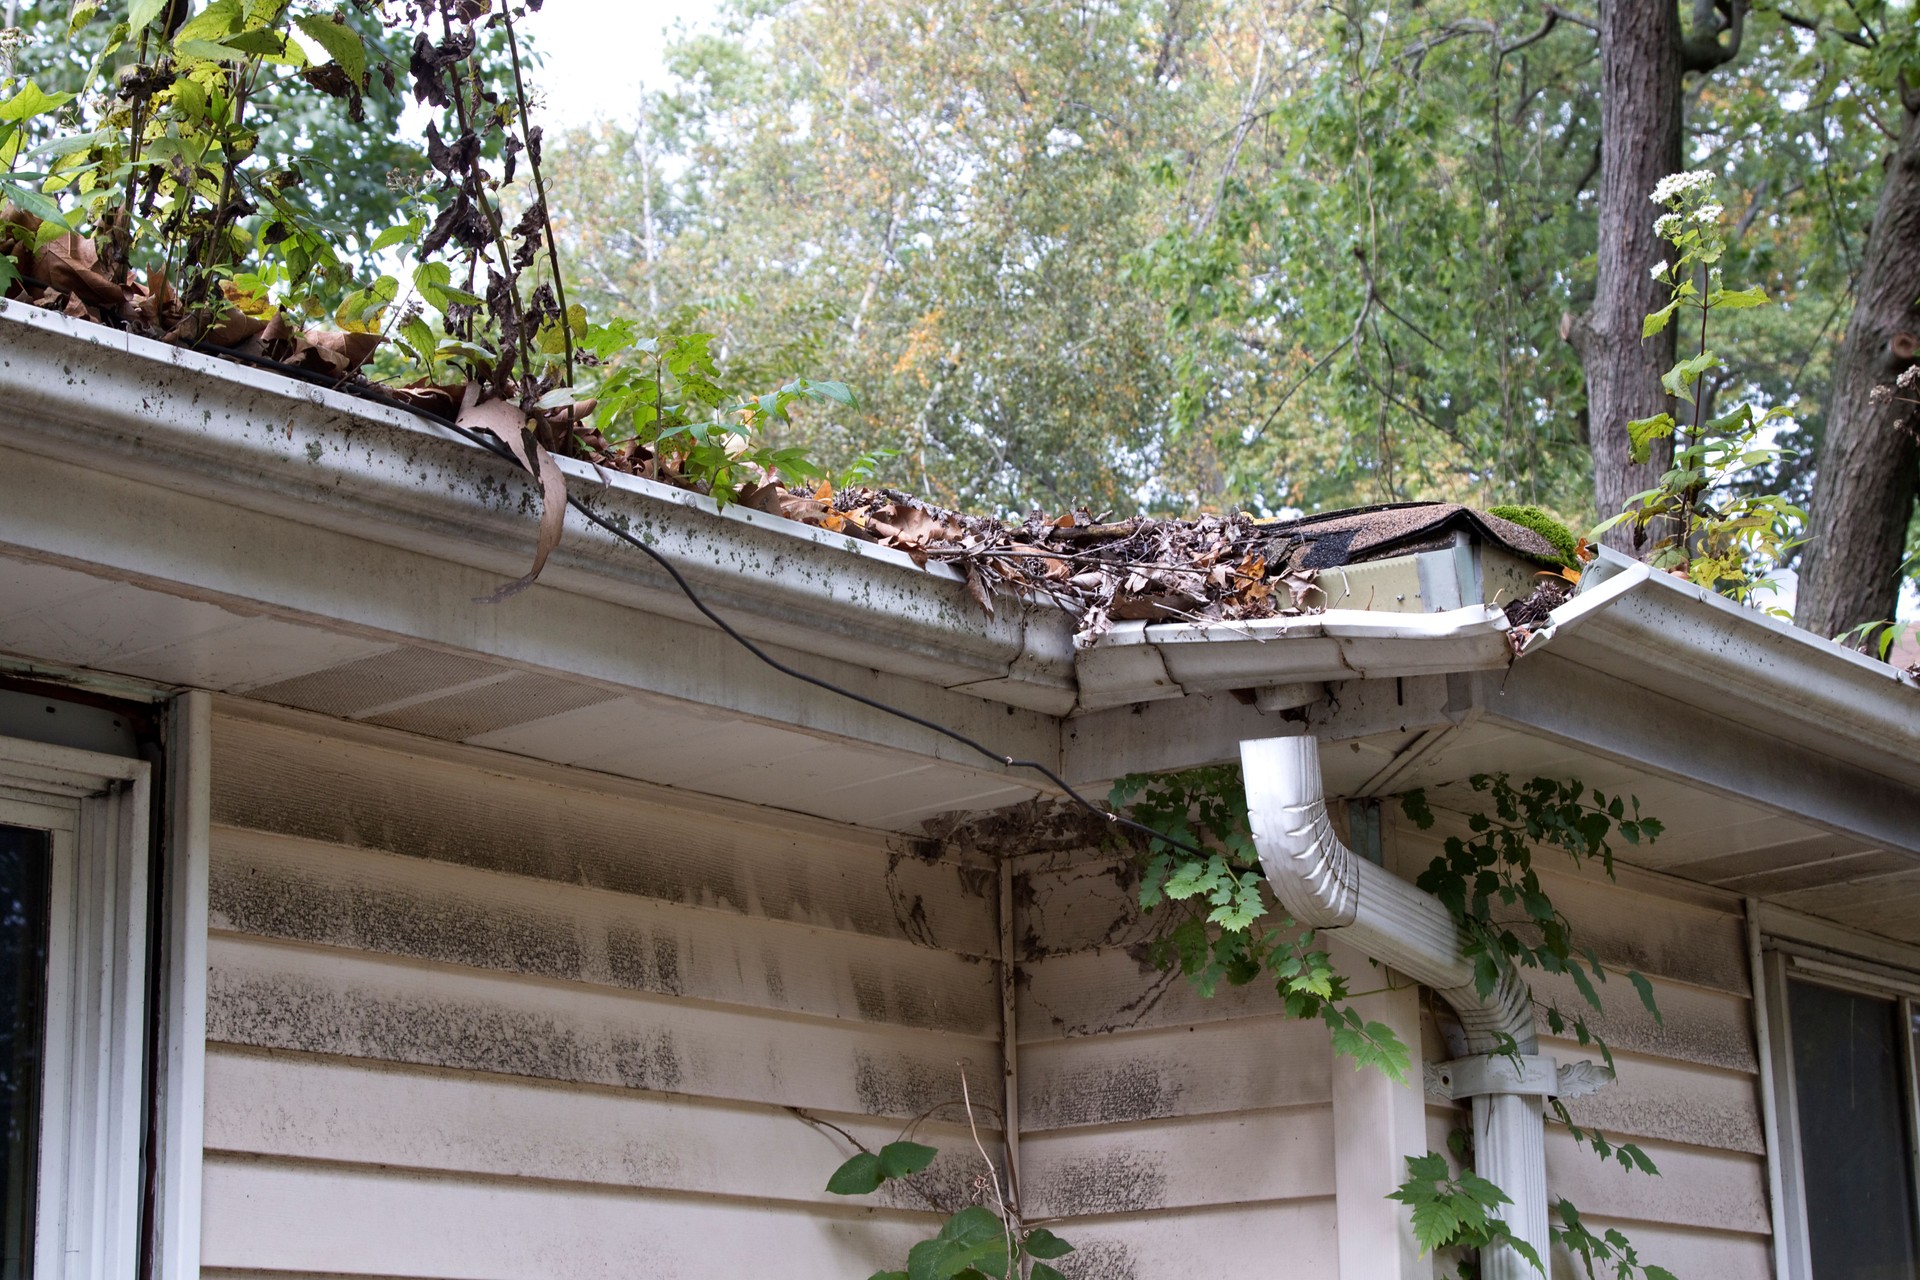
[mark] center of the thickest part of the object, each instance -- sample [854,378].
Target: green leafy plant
[1489,883]
[1491,872]
[1878,638]
[974,1242]
[663,394]
[1456,1210]
[1707,520]
[1461,1211]
[1220,924]
[1610,1250]
[151,202]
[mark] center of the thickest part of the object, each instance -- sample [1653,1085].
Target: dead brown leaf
[977,588]
[68,265]
[506,421]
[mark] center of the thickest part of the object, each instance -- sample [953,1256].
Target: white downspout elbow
[1327,887]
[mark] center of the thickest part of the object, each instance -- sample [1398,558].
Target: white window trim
[92,1101]
[1788,958]
[182,1059]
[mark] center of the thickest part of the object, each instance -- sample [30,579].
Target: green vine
[1216,906]
[984,1241]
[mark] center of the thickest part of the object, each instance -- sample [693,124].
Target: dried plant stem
[539,189]
[993,1174]
[476,181]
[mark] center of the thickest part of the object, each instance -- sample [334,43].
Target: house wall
[1174,1136]
[1687,1092]
[1167,1129]
[470,1016]
[474,1016]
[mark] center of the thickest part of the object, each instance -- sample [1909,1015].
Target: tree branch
[1809,24]
[1703,50]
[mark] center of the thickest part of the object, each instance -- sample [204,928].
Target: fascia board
[183,420]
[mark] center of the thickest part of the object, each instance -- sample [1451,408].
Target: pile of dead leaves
[1213,569]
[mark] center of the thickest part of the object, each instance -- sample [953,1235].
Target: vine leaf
[1042,1243]
[902,1159]
[973,1239]
[340,41]
[859,1176]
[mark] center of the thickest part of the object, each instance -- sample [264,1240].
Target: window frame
[1784,960]
[93,1097]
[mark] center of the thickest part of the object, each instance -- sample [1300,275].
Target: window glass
[1849,1073]
[25,866]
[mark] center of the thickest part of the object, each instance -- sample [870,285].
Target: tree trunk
[1863,492]
[1640,110]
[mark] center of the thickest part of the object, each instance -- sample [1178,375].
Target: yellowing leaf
[342,43]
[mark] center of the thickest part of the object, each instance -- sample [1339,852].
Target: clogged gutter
[1214,568]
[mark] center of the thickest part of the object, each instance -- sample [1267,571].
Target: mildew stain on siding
[1099,1259]
[1126,1091]
[287,1012]
[903,1087]
[1124,1180]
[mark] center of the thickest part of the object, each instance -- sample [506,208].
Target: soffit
[57,617]
[1730,844]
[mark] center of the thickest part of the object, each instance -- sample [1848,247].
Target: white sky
[600,54]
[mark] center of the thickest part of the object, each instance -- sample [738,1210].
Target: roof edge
[184,420]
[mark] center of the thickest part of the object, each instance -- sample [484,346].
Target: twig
[1318,365]
[993,1175]
[539,190]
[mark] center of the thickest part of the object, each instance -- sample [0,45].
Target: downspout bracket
[1481,1074]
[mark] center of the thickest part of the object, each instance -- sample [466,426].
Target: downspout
[1327,887]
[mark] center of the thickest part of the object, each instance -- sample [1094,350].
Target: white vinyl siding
[473,1019]
[1173,1135]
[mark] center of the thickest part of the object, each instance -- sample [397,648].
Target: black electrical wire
[492,444]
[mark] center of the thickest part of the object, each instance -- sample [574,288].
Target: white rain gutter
[1326,886]
[1140,662]
[160,415]
[1695,647]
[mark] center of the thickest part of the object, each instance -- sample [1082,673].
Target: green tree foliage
[1182,254]
[338,133]
[930,200]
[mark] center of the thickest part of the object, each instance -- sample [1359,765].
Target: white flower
[1708,213]
[1668,225]
[1675,185]
[1659,269]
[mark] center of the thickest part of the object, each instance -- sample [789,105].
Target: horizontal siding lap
[1089,993]
[294,1107]
[1705,1028]
[628,838]
[283,887]
[1676,1102]
[1689,1253]
[1696,1188]
[344,1220]
[1674,937]
[1297,1239]
[1247,1064]
[318,1000]
[1255,1156]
